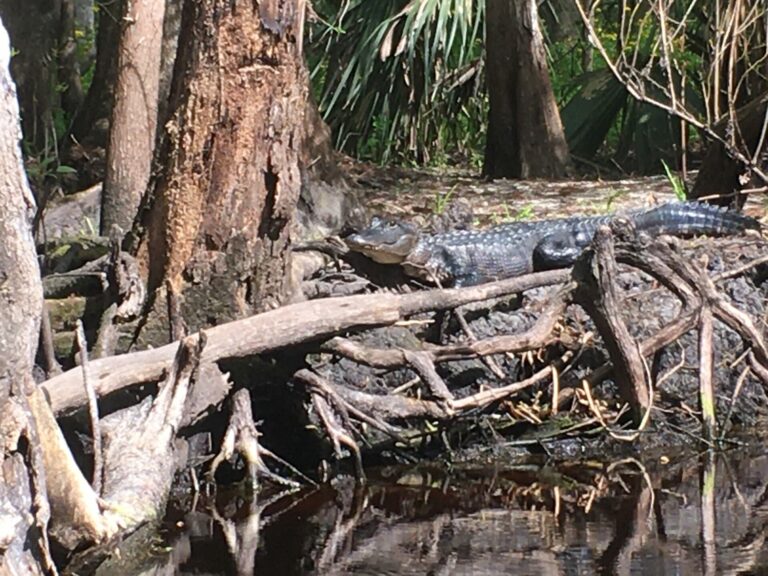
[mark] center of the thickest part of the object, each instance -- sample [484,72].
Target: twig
[706,360]
[637,91]
[487,397]
[672,371]
[269,454]
[736,391]
[740,269]
[555,390]
[93,410]
[422,364]
[537,336]
[348,397]
[489,361]
[52,366]
[758,368]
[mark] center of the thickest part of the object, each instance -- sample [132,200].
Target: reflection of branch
[242,535]
[345,524]
[629,535]
[708,514]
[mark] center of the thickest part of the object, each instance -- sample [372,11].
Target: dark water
[698,514]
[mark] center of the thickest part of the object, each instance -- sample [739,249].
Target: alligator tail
[694,218]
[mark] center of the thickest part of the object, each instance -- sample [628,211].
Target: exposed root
[242,437]
[597,294]
[330,407]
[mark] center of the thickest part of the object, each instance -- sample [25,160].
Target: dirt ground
[419,193]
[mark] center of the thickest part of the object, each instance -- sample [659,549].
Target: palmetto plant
[403,80]
[398,79]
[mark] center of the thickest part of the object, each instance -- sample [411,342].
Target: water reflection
[705,514]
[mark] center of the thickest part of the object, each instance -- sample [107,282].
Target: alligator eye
[383,223]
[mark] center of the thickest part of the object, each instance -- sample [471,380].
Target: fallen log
[280,328]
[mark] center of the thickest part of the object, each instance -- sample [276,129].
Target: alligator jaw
[391,253]
[385,241]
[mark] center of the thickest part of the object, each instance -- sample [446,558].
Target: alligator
[469,257]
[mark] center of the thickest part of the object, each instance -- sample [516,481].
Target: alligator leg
[560,249]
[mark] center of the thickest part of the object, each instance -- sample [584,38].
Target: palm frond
[400,70]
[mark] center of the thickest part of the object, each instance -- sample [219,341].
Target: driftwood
[138,461]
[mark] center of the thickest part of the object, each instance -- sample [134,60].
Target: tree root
[243,437]
[348,414]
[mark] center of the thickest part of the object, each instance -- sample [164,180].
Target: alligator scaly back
[693,219]
[468,257]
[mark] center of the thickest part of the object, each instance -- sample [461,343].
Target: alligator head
[385,241]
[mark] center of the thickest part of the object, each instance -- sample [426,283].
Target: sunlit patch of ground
[419,193]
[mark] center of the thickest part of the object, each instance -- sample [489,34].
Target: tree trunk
[33,26]
[98,100]
[219,228]
[23,506]
[22,290]
[525,136]
[69,67]
[134,115]
[723,176]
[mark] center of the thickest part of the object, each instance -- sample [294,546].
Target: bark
[22,289]
[525,136]
[134,115]
[33,27]
[23,509]
[224,203]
